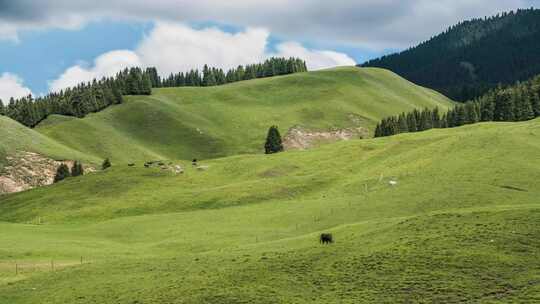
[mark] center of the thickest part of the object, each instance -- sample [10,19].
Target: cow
[326,238]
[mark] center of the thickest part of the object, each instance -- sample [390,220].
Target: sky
[49,45]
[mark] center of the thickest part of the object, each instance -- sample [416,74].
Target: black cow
[326,238]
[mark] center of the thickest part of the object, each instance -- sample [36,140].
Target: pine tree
[504,107]
[488,108]
[273,141]
[154,77]
[436,118]
[536,104]
[61,173]
[133,86]
[460,116]
[471,115]
[106,164]
[118,98]
[411,122]
[523,108]
[443,123]
[209,78]
[2,108]
[402,122]
[77,169]
[146,85]
[425,120]
[378,131]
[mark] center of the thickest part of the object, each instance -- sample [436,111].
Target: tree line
[80,100]
[473,57]
[214,76]
[515,103]
[97,95]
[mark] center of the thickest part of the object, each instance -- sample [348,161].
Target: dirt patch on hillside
[299,138]
[27,170]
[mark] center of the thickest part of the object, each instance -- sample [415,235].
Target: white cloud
[373,23]
[315,59]
[12,86]
[173,47]
[105,65]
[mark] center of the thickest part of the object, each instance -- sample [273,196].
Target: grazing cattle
[326,238]
[194,162]
[131,165]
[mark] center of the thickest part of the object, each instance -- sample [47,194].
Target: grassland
[203,123]
[461,226]
[16,137]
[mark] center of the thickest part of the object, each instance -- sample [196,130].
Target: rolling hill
[16,137]
[459,226]
[186,123]
[473,56]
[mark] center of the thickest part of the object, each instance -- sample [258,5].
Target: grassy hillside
[460,226]
[186,123]
[16,137]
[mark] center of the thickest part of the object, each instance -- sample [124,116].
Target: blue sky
[41,56]
[50,44]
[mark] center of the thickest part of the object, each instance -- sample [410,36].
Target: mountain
[473,56]
[187,123]
[445,216]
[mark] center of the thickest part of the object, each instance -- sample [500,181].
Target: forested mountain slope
[473,56]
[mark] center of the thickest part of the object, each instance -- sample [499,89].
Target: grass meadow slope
[460,226]
[16,137]
[186,123]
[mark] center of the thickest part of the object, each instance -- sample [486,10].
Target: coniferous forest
[473,57]
[516,103]
[97,95]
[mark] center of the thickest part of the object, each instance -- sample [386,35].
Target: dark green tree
[504,107]
[106,164]
[536,104]
[488,109]
[273,141]
[402,122]
[146,85]
[209,78]
[436,118]
[411,122]
[77,169]
[62,172]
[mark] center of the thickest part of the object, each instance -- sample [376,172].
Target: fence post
[16,269]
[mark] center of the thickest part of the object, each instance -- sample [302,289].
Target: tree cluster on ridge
[97,95]
[516,103]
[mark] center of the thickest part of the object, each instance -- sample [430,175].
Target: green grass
[187,123]
[461,226]
[16,137]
